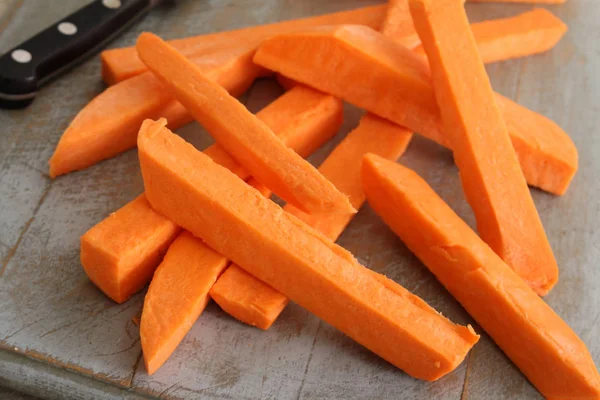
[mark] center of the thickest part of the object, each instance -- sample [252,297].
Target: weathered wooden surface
[61,338]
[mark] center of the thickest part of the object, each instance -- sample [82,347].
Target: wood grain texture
[61,338]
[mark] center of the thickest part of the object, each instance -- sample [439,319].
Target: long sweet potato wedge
[531,334]
[525,34]
[395,84]
[108,125]
[254,232]
[177,296]
[246,298]
[179,289]
[130,103]
[520,1]
[240,132]
[121,253]
[121,64]
[255,303]
[507,219]
[398,25]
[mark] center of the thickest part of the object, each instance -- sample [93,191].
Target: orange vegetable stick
[493,183]
[177,296]
[120,64]
[342,168]
[537,340]
[121,253]
[237,221]
[399,89]
[247,298]
[520,1]
[398,25]
[240,132]
[531,32]
[109,124]
[253,302]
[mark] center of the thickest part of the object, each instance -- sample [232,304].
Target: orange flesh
[537,340]
[121,253]
[395,84]
[237,221]
[241,133]
[177,296]
[108,125]
[121,64]
[493,183]
[248,299]
[529,33]
[520,1]
[177,299]
[251,301]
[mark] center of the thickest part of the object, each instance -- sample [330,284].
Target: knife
[63,45]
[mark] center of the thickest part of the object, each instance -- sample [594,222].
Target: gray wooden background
[61,338]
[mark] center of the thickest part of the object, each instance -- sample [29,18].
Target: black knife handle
[27,66]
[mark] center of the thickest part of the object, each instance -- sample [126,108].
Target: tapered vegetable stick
[109,124]
[493,183]
[121,253]
[303,120]
[400,90]
[342,167]
[237,221]
[397,27]
[253,302]
[177,296]
[520,1]
[240,132]
[537,340]
[531,32]
[134,100]
[246,298]
[123,63]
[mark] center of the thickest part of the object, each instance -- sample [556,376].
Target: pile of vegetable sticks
[206,228]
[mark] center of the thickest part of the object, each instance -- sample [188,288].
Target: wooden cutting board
[60,337]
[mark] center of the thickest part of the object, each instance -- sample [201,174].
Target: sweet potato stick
[493,183]
[177,296]
[109,124]
[246,298]
[274,246]
[399,89]
[240,132]
[525,34]
[121,253]
[123,63]
[531,334]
